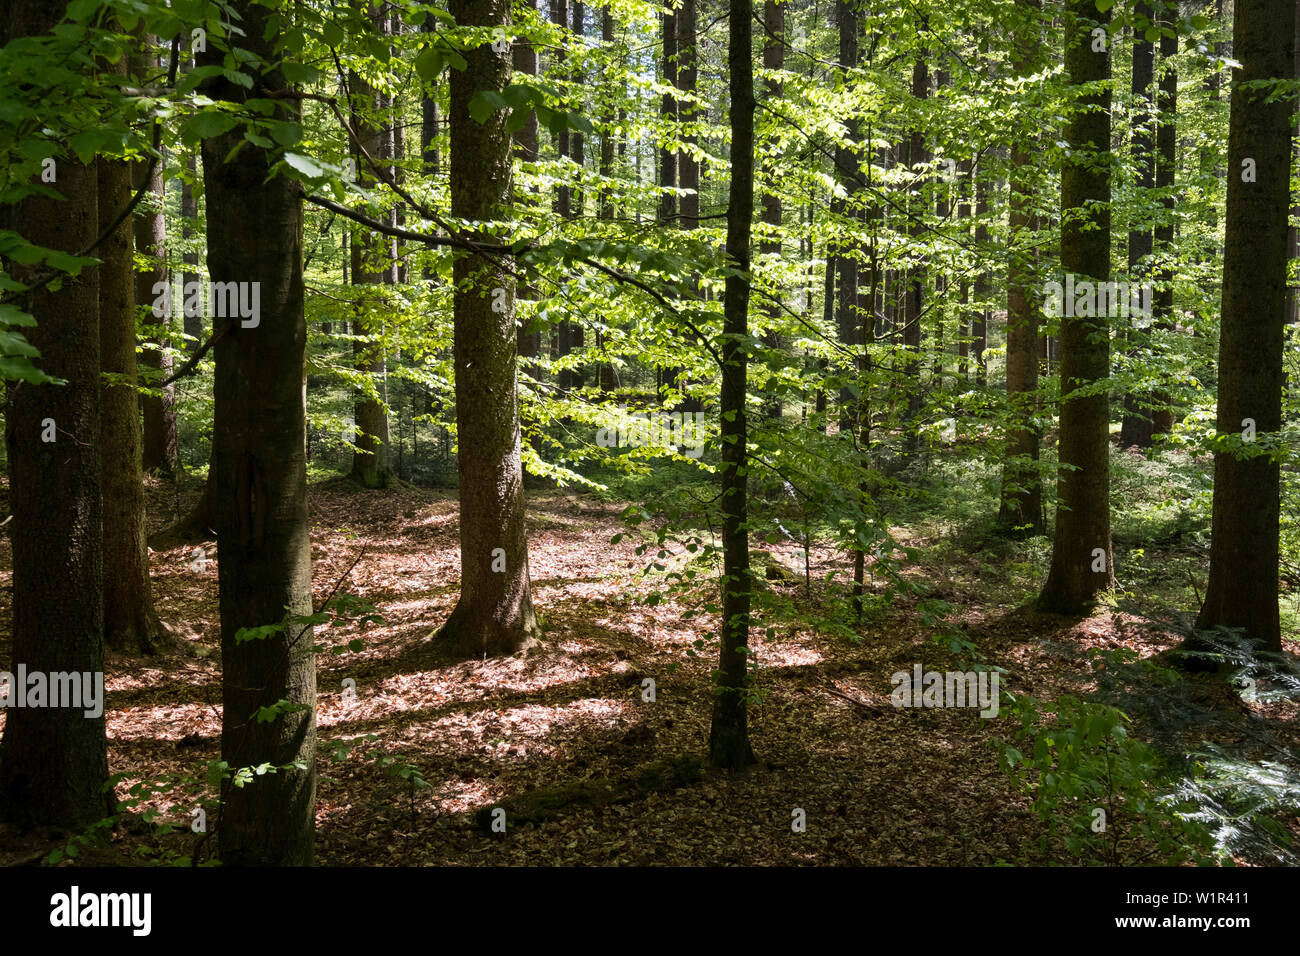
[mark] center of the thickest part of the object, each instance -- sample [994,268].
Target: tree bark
[54,761]
[130,623]
[259,457]
[1081,552]
[494,614]
[371,264]
[1243,586]
[1162,416]
[917,156]
[193,324]
[773,89]
[847,165]
[1136,428]
[668,115]
[729,746]
[1021,509]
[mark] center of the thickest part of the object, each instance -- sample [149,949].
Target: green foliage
[1096,788]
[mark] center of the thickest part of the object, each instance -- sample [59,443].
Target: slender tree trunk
[917,156]
[941,207]
[1081,552]
[1021,510]
[1162,416]
[605,370]
[847,166]
[668,115]
[1136,427]
[429,122]
[160,452]
[668,170]
[983,280]
[577,139]
[193,324]
[963,293]
[729,745]
[54,760]
[774,60]
[1243,589]
[526,61]
[607,137]
[494,614]
[259,457]
[565,339]
[130,623]
[688,167]
[371,263]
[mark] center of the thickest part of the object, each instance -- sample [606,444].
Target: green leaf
[294,72]
[484,103]
[207,124]
[305,165]
[429,63]
[285,133]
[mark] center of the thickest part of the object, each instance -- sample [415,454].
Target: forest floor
[878,785]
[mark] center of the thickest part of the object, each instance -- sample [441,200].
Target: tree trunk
[1243,589]
[847,165]
[371,263]
[729,746]
[526,60]
[160,452]
[605,370]
[193,324]
[1136,427]
[1081,552]
[54,761]
[917,156]
[494,614]
[773,59]
[983,281]
[259,457]
[130,623]
[1162,416]
[1021,509]
[668,116]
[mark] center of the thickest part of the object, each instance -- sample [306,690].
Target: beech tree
[494,613]
[1081,549]
[1243,585]
[729,745]
[371,466]
[268,688]
[1021,506]
[54,760]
